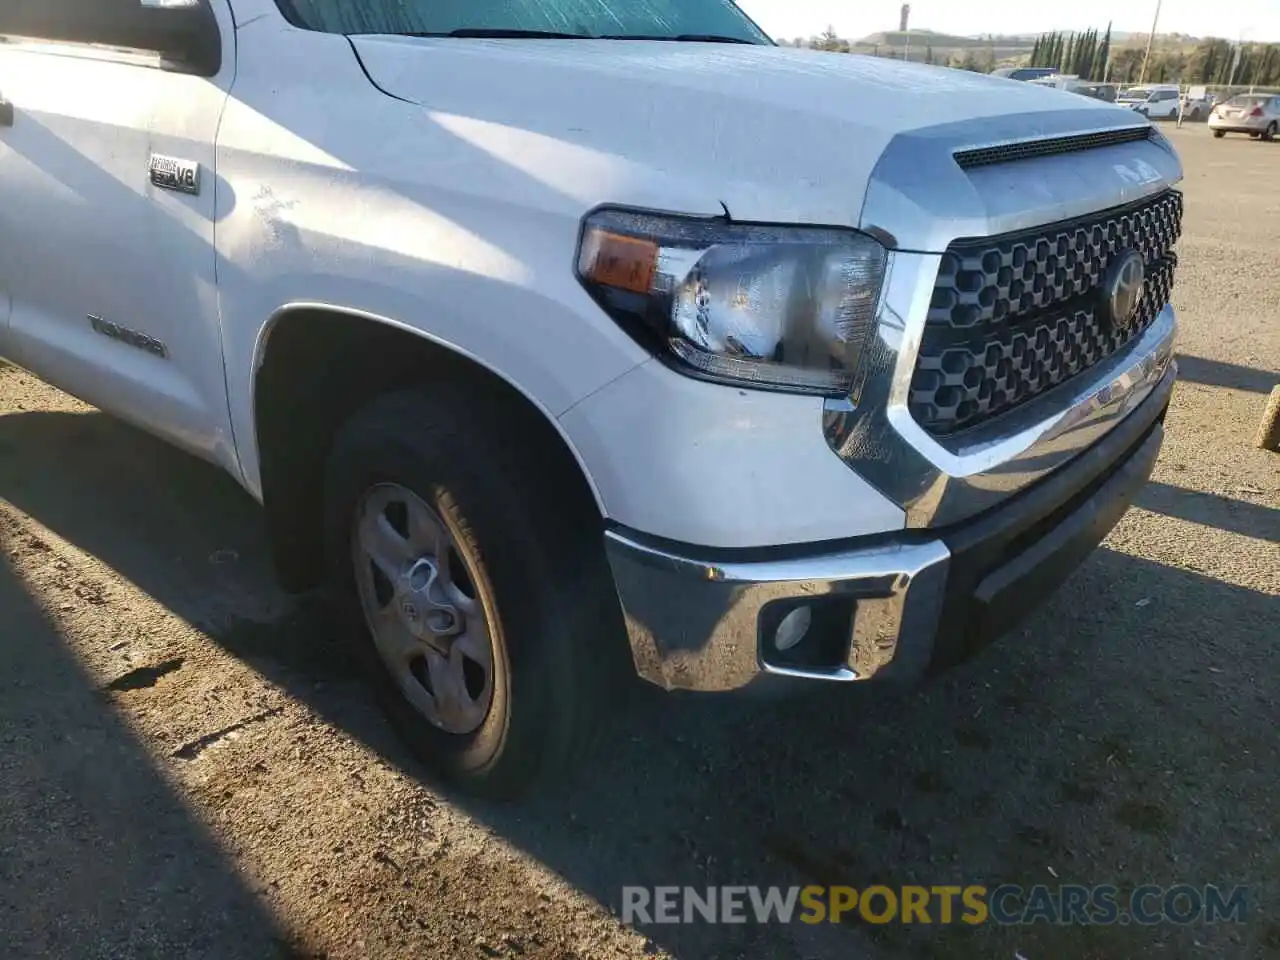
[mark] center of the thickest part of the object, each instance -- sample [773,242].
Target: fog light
[793,628]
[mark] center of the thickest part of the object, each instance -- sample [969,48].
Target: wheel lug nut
[440,621]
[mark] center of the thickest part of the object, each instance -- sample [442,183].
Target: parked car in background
[1073,84]
[1197,103]
[1157,102]
[1024,73]
[1107,92]
[1257,114]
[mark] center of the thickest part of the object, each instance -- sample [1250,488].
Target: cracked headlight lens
[775,307]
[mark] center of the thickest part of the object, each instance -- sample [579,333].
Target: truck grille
[1014,316]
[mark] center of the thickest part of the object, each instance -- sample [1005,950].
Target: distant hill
[950,41]
[944,46]
[921,38]
[992,49]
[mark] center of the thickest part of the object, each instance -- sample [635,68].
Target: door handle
[6,113]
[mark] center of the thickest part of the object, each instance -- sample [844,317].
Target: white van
[1159,101]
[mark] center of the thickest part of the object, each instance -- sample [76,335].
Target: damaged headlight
[777,307]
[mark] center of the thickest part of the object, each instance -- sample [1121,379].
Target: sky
[1252,20]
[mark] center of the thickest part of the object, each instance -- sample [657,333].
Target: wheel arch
[330,360]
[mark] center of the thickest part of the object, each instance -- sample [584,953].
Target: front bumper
[896,607]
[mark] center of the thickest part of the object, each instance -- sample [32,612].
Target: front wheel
[1270,133]
[1219,134]
[478,597]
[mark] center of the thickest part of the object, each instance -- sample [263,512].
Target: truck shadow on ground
[1216,373]
[1212,510]
[1125,735]
[100,857]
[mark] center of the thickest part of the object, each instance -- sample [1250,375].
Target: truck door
[108,200]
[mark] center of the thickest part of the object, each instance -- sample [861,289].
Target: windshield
[658,19]
[1247,101]
[1136,93]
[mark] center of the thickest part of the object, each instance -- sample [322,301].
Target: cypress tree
[1104,54]
[1085,67]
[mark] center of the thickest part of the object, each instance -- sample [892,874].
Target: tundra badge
[170,173]
[131,337]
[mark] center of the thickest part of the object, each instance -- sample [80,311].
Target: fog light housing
[793,628]
[807,632]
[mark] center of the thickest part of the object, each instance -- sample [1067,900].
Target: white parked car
[740,365]
[1159,102]
[1257,114]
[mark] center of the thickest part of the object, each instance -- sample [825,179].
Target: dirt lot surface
[190,768]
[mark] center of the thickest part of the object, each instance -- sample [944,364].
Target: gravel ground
[188,766]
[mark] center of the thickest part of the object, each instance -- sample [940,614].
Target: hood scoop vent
[1031,149]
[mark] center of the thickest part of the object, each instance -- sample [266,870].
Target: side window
[106,22]
[184,32]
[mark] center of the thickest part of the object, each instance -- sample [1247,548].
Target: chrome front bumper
[695,624]
[898,606]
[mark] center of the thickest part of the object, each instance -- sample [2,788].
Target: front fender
[318,205]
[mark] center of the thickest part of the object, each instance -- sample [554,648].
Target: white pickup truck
[562,334]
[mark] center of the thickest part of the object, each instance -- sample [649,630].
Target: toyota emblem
[1122,289]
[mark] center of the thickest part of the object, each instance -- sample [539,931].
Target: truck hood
[767,132]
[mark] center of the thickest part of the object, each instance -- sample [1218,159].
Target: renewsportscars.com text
[1007,904]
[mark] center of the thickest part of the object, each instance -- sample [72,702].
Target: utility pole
[1257,67]
[1142,76]
[1235,60]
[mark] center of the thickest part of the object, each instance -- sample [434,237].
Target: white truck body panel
[718,492]
[775,134]
[332,208]
[98,239]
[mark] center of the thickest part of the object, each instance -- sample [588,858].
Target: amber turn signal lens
[614,260]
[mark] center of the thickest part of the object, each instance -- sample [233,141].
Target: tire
[533,570]
[1219,134]
[1270,133]
[1269,429]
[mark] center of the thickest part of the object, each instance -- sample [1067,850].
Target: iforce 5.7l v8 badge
[170,173]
